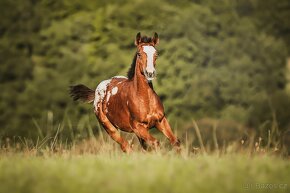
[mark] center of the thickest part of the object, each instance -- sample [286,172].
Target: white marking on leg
[114,90]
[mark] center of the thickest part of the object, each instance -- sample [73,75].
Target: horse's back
[104,86]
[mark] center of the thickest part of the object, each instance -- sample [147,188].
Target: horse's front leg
[141,130]
[165,128]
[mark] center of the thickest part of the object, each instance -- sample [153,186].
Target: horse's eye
[138,54]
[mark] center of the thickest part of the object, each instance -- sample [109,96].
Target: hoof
[176,143]
[155,144]
[126,148]
[176,146]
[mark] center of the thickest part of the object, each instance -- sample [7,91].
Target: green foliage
[215,59]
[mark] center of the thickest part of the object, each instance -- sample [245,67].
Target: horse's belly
[118,115]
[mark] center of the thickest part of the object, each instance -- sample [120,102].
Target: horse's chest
[148,111]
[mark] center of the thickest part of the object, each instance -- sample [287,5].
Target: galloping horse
[130,104]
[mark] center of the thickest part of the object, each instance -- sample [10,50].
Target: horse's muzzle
[150,75]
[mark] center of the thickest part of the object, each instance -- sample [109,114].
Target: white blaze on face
[150,51]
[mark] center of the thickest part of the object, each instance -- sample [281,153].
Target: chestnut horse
[131,104]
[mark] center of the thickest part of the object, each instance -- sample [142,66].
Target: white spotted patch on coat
[120,77]
[108,96]
[114,90]
[101,92]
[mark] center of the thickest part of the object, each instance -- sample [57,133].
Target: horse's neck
[141,84]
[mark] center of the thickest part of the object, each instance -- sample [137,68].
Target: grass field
[94,167]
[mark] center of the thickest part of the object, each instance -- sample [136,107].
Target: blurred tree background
[220,61]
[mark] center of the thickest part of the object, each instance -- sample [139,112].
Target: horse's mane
[131,70]
[146,39]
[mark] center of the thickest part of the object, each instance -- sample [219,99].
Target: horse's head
[147,54]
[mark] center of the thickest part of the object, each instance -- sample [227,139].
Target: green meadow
[144,173]
[97,165]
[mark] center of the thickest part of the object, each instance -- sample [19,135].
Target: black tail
[81,92]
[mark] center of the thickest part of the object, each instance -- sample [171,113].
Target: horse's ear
[155,38]
[138,39]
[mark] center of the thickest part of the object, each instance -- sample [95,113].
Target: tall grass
[54,142]
[95,163]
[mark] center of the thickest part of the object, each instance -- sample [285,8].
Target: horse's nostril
[150,74]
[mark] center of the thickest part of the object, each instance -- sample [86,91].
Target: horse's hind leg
[112,131]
